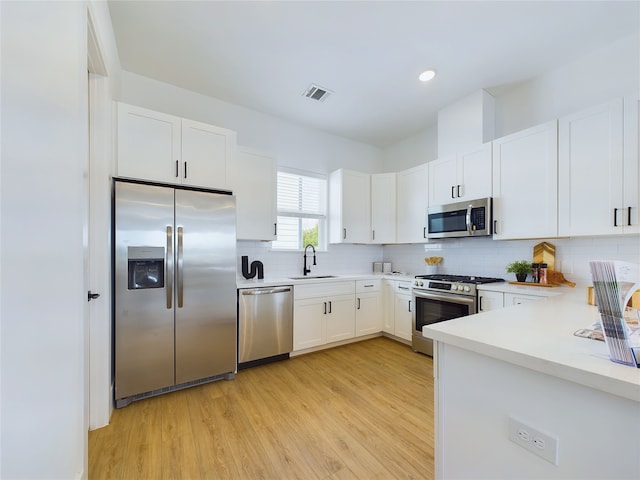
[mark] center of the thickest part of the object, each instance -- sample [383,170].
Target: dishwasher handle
[265,291]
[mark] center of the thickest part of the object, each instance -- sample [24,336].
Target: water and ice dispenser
[145,267]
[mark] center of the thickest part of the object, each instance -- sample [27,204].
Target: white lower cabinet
[323,312]
[389,300]
[518,298]
[369,310]
[403,311]
[488,300]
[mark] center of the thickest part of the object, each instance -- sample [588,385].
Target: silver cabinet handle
[168,274]
[179,269]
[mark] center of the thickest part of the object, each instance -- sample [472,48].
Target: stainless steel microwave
[462,219]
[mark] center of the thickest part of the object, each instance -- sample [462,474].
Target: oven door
[433,307]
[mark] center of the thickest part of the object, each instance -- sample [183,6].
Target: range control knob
[467,289]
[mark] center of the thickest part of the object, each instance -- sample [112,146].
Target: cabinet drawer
[323,289]
[366,286]
[403,288]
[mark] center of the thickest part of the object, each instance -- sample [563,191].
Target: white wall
[412,151]
[294,146]
[43,296]
[597,433]
[613,70]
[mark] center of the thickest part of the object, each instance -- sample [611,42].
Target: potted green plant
[521,268]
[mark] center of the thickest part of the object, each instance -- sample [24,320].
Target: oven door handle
[468,218]
[444,297]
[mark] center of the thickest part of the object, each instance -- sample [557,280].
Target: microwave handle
[469,229]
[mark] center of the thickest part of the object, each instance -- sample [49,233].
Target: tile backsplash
[486,257]
[466,256]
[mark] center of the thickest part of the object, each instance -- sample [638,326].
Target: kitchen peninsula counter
[523,363]
[539,336]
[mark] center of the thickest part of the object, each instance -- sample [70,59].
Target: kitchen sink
[312,277]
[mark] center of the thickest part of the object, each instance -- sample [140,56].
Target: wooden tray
[531,284]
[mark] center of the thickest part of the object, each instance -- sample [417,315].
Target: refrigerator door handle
[169,261]
[179,271]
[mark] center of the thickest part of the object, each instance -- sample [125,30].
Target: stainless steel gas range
[438,298]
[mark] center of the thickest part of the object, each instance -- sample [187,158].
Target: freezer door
[144,347]
[205,289]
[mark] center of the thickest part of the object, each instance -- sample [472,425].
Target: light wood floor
[360,411]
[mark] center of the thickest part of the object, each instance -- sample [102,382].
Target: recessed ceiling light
[427,75]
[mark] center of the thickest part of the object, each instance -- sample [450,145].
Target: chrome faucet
[306,270]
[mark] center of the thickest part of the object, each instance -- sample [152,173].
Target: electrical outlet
[542,444]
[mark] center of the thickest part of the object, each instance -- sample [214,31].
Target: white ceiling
[264,54]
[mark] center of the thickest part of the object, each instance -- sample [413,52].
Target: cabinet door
[403,306]
[368,313]
[631,188]
[205,152]
[340,318]
[413,199]
[525,196]
[309,328]
[148,144]
[389,294]
[590,165]
[517,299]
[383,208]
[488,300]
[474,173]
[254,183]
[349,207]
[443,180]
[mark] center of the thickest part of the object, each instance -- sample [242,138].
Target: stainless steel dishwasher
[265,324]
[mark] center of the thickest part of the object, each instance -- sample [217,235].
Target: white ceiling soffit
[263,54]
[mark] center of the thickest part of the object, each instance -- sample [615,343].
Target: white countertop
[506,287]
[276,281]
[539,336]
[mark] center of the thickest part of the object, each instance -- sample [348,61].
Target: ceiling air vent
[316,92]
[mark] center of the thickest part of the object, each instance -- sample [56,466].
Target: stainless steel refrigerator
[175,288]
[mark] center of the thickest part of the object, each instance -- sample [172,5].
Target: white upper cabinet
[149,144]
[591,171]
[159,147]
[383,208]
[412,203]
[206,153]
[465,176]
[349,207]
[525,183]
[254,183]
[631,180]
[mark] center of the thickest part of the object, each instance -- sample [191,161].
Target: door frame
[99,404]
